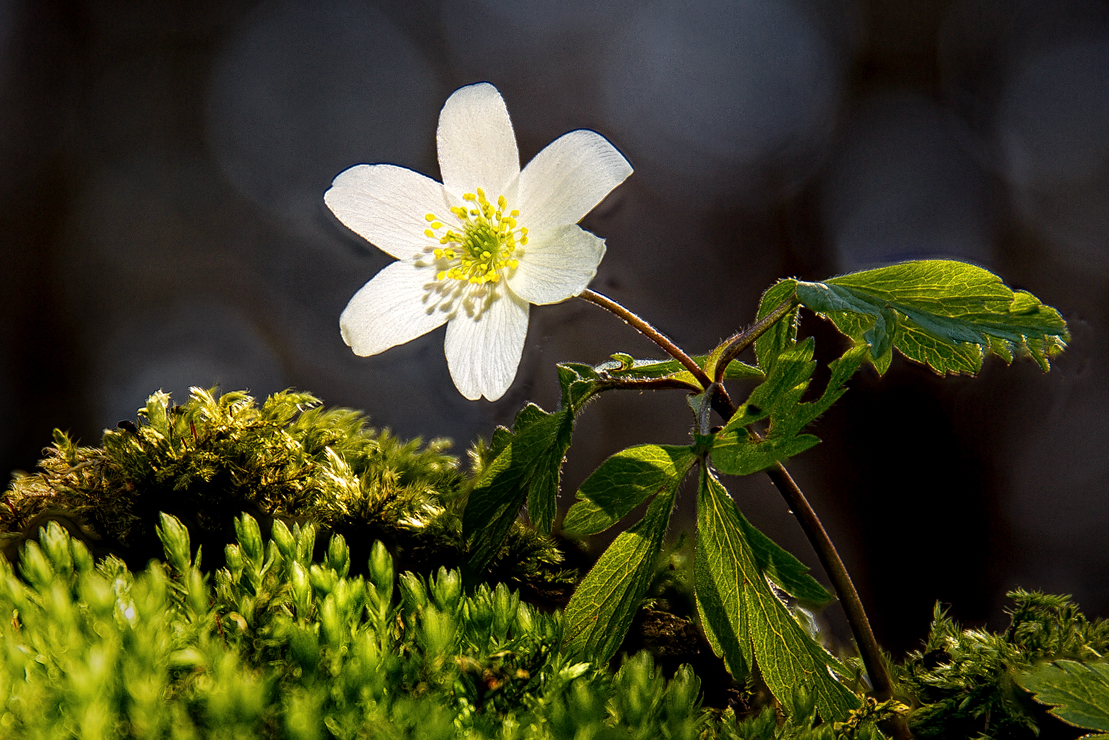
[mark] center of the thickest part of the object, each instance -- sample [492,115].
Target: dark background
[162,166]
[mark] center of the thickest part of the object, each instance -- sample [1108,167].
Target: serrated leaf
[735,452]
[526,469]
[787,572]
[578,383]
[652,369]
[623,482]
[782,335]
[743,618]
[604,603]
[942,313]
[1077,692]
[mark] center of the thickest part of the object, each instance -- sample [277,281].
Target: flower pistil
[487,245]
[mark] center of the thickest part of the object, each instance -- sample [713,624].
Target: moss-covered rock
[216,456]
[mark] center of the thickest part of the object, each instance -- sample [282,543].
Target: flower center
[486,245]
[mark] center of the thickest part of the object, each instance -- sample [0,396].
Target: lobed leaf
[744,620]
[602,607]
[1078,692]
[624,481]
[782,335]
[737,452]
[945,314]
[526,469]
[624,367]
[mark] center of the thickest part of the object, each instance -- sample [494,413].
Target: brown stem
[644,328]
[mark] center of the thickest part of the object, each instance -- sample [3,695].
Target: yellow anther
[483,248]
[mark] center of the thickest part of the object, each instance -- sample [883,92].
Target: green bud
[250,539]
[412,592]
[446,590]
[233,556]
[478,612]
[682,693]
[35,567]
[198,592]
[94,590]
[348,596]
[329,622]
[381,570]
[175,542]
[55,544]
[338,555]
[283,538]
[302,589]
[437,633]
[305,535]
[505,605]
[82,558]
[323,579]
[525,621]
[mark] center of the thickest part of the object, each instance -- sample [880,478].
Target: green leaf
[623,482]
[745,622]
[623,367]
[786,571]
[944,314]
[782,335]
[1078,692]
[736,452]
[579,384]
[527,469]
[602,607]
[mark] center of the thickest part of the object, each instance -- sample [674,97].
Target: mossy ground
[126,622]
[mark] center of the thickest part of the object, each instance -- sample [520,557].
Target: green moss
[963,679]
[214,457]
[277,644]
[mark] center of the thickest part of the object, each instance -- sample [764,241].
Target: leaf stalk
[742,340]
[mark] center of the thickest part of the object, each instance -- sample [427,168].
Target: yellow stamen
[485,245]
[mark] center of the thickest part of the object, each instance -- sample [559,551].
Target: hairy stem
[742,340]
[645,328]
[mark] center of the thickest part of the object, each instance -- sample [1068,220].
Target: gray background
[162,166]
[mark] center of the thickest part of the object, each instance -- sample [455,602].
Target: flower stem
[810,523]
[645,328]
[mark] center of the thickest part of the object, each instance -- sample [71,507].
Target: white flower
[476,250]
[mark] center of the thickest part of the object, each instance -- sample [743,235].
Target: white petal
[484,353]
[556,264]
[568,178]
[386,205]
[393,308]
[477,147]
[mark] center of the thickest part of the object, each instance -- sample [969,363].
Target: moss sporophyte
[477,249]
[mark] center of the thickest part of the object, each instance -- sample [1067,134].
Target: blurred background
[162,166]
